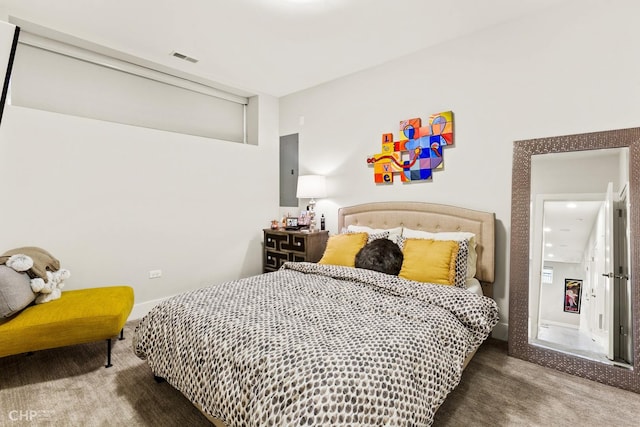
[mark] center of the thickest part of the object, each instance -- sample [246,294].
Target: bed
[326,344]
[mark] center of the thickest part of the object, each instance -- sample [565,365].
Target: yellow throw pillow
[428,260]
[342,249]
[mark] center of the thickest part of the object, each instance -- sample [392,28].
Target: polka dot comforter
[316,345]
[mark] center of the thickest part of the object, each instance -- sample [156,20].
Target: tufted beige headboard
[431,217]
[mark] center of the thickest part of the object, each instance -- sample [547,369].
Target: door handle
[616,276]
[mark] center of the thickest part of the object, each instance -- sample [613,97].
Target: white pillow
[473,285]
[449,235]
[393,232]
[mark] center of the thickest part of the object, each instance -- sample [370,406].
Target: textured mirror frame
[519,346]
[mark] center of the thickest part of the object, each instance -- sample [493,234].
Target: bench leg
[108,365]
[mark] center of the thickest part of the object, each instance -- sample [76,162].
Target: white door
[622,311]
[602,290]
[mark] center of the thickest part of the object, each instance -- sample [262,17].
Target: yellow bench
[78,317]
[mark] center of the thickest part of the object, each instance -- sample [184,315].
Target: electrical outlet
[154,274]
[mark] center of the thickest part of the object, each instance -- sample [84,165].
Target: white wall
[569,71]
[112,202]
[552,294]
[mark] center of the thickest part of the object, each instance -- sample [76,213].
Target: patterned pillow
[461,263]
[371,236]
[375,236]
[462,258]
[393,232]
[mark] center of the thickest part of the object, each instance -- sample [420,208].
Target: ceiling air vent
[184,57]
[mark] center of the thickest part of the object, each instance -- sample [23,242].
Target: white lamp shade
[311,187]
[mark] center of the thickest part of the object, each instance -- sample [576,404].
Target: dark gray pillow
[15,291]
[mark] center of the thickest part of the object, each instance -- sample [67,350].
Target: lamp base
[312,216]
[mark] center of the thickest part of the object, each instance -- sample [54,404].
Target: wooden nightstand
[283,245]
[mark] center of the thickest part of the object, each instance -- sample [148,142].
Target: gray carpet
[71,387]
[498,390]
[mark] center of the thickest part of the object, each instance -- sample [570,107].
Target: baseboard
[501,332]
[141,309]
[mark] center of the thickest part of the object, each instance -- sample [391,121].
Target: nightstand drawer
[281,246]
[274,260]
[285,242]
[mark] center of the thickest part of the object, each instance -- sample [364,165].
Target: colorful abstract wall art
[418,151]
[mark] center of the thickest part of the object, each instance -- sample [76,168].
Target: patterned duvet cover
[316,345]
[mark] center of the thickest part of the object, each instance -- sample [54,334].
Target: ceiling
[274,47]
[568,226]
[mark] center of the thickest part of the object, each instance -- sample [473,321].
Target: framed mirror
[573,298]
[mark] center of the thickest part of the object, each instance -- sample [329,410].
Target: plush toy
[55,294]
[19,262]
[41,261]
[52,288]
[46,283]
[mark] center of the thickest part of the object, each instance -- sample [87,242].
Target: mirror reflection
[579,284]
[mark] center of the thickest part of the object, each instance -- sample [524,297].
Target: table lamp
[311,187]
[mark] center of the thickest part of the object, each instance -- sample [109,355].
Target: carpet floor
[71,387]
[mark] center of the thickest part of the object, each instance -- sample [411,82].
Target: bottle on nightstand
[322,226]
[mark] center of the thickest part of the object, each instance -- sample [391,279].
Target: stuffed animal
[19,262]
[49,289]
[41,261]
[52,288]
